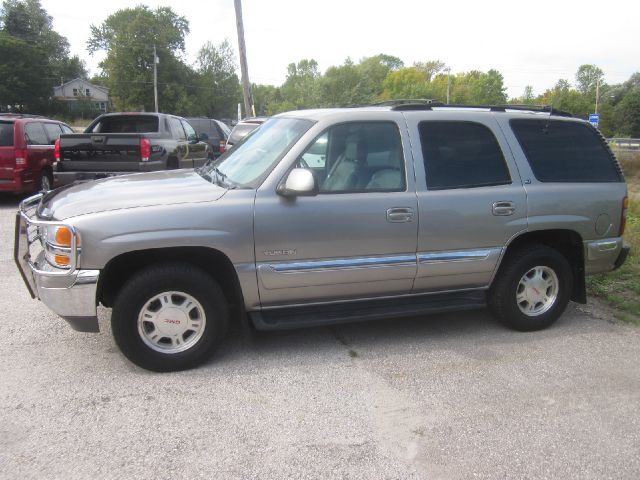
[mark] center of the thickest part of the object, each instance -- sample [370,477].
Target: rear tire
[532,289]
[169,317]
[172,164]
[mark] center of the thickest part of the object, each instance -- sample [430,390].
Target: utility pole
[244,69]
[597,93]
[155,77]
[448,84]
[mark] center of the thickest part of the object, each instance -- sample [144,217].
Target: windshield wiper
[222,179]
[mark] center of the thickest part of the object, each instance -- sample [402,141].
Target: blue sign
[594,119]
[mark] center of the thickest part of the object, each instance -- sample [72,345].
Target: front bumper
[69,293]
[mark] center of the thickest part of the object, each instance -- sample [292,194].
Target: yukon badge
[274,253]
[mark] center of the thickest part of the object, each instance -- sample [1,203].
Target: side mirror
[204,137]
[301,182]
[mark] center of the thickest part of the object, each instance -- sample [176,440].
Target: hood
[129,191]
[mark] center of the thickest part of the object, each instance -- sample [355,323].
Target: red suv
[27,152]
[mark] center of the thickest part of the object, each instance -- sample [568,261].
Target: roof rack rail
[407,103]
[493,108]
[19,115]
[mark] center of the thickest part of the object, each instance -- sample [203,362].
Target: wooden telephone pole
[244,69]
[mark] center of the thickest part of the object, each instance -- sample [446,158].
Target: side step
[363,310]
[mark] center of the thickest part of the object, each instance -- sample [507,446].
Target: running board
[363,310]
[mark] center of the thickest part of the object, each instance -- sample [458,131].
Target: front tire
[169,317]
[532,288]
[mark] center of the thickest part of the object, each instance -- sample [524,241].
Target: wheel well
[47,170]
[214,262]
[568,243]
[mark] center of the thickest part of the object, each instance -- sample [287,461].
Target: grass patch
[621,288]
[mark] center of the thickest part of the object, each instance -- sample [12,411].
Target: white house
[78,90]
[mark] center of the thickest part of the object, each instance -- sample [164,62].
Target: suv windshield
[252,158]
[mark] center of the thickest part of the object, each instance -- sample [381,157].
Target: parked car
[212,131]
[120,143]
[27,151]
[330,216]
[243,128]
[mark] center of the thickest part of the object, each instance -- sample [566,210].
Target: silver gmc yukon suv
[329,216]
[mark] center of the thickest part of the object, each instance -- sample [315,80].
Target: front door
[197,150]
[357,237]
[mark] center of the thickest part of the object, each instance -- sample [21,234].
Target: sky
[530,42]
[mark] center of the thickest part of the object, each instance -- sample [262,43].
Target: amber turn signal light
[63,237]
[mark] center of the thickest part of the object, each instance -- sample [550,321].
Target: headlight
[57,244]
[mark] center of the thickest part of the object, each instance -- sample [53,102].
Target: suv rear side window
[561,151]
[461,155]
[6,134]
[35,134]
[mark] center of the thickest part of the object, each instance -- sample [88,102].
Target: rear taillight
[623,215]
[145,149]
[21,158]
[222,144]
[56,150]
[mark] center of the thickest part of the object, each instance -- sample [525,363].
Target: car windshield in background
[251,159]
[240,131]
[6,134]
[127,124]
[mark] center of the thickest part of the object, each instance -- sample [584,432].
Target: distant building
[80,94]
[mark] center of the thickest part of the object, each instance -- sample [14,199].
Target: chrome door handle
[400,214]
[504,208]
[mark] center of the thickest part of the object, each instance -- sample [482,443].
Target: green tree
[527,98]
[31,47]
[20,88]
[587,77]
[267,99]
[339,86]
[409,82]
[372,72]
[627,115]
[488,88]
[219,87]
[301,88]
[431,68]
[128,37]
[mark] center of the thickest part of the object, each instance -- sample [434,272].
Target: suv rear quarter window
[563,151]
[461,155]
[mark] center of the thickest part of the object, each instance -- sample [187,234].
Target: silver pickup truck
[338,215]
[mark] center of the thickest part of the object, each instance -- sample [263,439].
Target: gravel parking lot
[446,396]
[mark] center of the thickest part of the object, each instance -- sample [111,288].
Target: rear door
[470,195]
[40,151]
